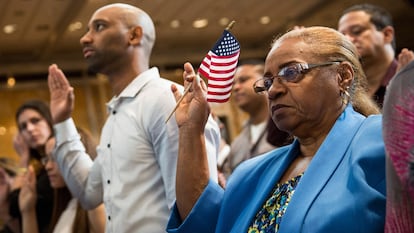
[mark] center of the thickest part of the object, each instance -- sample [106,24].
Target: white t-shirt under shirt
[65,222]
[256,131]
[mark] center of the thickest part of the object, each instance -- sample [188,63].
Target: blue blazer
[342,190]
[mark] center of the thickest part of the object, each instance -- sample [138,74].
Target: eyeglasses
[292,74]
[46,159]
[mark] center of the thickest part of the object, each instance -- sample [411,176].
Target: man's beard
[104,62]
[97,63]
[93,67]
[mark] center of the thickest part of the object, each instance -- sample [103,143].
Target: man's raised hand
[62,98]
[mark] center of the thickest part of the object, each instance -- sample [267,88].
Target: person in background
[8,224]
[68,216]
[252,139]
[35,127]
[371,29]
[134,171]
[330,179]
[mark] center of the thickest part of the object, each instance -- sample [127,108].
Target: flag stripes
[219,67]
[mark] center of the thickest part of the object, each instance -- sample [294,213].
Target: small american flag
[219,67]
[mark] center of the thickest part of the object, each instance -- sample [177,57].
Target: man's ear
[388,32]
[135,35]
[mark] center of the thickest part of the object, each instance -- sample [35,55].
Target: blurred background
[37,33]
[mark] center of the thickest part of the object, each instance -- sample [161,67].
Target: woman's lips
[52,176]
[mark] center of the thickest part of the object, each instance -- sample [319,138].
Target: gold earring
[346,97]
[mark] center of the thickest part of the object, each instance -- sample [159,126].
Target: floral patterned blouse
[268,218]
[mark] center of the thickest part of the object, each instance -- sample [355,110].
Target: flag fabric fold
[219,67]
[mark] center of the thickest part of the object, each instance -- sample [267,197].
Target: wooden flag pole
[230,26]
[187,89]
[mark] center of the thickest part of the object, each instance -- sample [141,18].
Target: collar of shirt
[134,87]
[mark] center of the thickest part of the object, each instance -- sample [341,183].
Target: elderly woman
[330,179]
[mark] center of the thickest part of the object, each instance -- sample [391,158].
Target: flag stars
[227,46]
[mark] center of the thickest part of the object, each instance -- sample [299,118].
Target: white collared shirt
[134,172]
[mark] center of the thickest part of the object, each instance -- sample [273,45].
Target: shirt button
[109,217]
[114,112]
[109,145]
[108,181]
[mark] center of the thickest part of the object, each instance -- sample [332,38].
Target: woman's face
[34,128]
[305,105]
[52,168]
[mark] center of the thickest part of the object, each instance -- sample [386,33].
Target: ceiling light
[175,23]
[178,72]
[3,130]
[265,20]
[10,28]
[200,23]
[75,26]
[224,21]
[11,81]
[102,77]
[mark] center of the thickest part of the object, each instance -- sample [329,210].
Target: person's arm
[97,219]
[27,203]
[77,168]
[29,221]
[4,192]
[192,166]
[81,174]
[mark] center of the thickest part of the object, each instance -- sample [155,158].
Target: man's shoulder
[163,83]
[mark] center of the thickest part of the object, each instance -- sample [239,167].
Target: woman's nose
[276,89]
[30,126]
